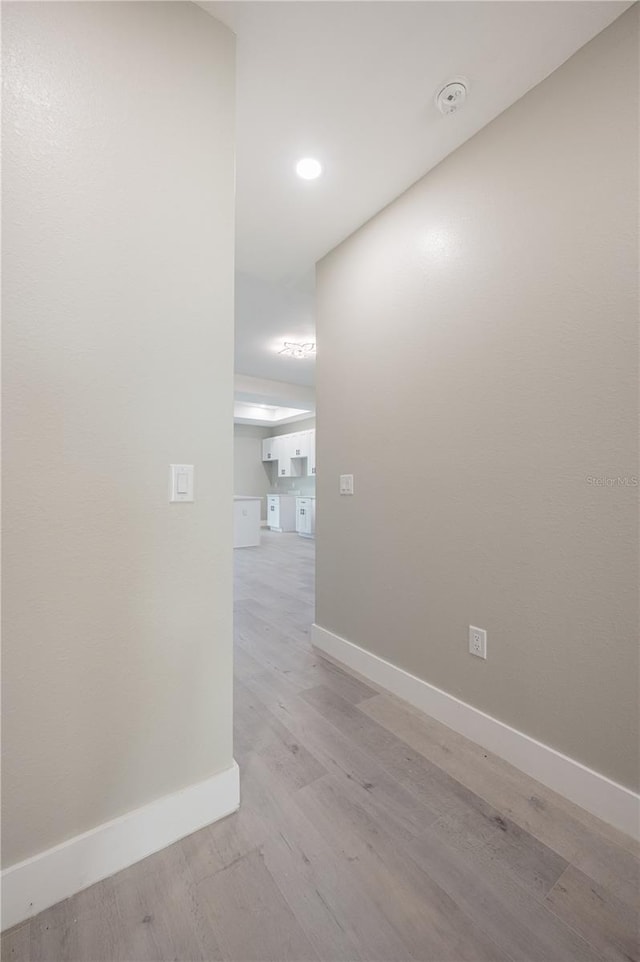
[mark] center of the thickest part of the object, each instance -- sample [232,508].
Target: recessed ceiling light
[308,168]
[291,349]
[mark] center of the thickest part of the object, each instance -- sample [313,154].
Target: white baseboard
[51,876]
[596,793]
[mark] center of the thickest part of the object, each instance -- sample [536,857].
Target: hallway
[366,832]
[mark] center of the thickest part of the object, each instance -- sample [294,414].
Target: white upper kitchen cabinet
[300,444]
[311,456]
[295,453]
[289,464]
[270,449]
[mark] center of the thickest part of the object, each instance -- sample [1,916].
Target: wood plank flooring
[366,832]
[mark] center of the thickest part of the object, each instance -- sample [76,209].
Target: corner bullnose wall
[118,264]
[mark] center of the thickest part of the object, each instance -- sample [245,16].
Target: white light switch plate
[180,482]
[346,484]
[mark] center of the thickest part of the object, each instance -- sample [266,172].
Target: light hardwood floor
[366,832]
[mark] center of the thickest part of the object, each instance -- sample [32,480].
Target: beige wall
[478,366]
[250,474]
[118,344]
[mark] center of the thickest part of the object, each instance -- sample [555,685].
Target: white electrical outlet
[477,642]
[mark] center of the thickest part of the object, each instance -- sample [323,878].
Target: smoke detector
[452,96]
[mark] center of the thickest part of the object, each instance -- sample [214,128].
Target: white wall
[492,312]
[305,425]
[118,178]
[250,474]
[277,393]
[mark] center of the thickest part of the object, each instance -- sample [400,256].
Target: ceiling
[353,84]
[269,313]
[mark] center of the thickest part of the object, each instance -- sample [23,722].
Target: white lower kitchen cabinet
[281,512]
[306,517]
